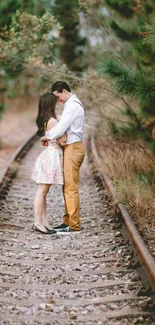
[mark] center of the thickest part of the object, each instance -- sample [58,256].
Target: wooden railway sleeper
[6,185]
[2,196]
[117,226]
[124,242]
[118,215]
[128,258]
[150,305]
[129,252]
[144,291]
[134,264]
[98,179]
[112,220]
[4,192]
[118,234]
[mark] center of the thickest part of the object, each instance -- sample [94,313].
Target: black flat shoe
[47,228]
[48,232]
[51,231]
[39,230]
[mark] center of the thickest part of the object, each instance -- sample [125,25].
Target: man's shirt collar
[71,99]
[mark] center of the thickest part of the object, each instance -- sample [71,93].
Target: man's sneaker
[60,227]
[66,231]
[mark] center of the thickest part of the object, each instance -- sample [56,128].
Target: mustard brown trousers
[73,158]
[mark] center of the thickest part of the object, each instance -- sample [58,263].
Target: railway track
[81,278]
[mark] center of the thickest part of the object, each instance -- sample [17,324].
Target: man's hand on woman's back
[62,140]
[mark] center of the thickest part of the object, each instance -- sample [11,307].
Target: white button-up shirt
[71,122]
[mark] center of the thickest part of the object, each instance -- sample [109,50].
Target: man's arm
[66,120]
[51,123]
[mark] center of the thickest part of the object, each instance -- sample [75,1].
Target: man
[71,122]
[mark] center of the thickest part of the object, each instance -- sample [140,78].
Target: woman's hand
[44,141]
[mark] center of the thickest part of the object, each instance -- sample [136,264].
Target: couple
[57,166]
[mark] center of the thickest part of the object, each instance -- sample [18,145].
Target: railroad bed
[76,279]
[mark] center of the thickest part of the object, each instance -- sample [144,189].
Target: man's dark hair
[59,86]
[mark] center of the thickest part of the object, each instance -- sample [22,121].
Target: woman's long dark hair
[46,110]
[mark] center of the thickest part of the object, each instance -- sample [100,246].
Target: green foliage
[146,177]
[72,44]
[88,6]
[152,146]
[150,36]
[26,42]
[123,78]
[127,31]
[145,93]
[136,81]
[127,81]
[129,24]
[2,108]
[124,7]
[114,128]
[132,83]
[8,9]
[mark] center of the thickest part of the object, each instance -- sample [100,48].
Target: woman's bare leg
[39,204]
[44,216]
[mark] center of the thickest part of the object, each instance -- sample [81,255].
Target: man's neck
[70,94]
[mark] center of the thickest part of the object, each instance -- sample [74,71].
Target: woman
[48,169]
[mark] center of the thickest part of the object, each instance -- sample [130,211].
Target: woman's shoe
[47,228]
[48,232]
[39,230]
[51,231]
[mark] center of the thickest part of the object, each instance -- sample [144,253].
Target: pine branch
[123,78]
[126,31]
[145,92]
[138,122]
[123,7]
[149,33]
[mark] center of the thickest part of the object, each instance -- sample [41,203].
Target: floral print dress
[49,165]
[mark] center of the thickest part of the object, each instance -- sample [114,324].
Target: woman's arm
[51,123]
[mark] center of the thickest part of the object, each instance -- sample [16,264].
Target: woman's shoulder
[51,123]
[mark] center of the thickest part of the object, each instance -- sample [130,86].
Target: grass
[133,175]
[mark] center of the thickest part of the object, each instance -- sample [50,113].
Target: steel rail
[10,170]
[145,256]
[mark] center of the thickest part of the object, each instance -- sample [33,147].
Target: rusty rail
[10,170]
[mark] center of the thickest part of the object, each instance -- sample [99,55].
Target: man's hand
[44,141]
[62,140]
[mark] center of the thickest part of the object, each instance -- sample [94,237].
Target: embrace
[60,162]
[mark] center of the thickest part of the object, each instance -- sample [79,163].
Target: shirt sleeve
[67,118]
